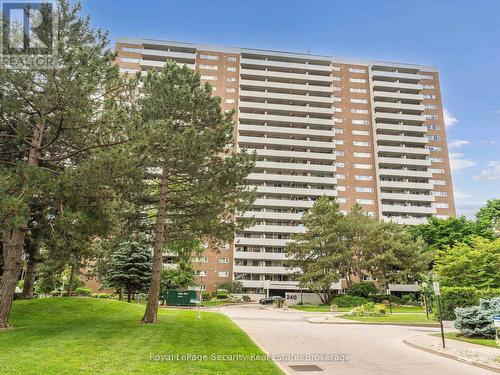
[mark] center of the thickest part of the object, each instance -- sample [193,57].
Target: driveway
[371,349]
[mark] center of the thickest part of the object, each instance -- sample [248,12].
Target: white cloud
[460,195]
[456,143]
[491,173]
[458,162]
[449,119]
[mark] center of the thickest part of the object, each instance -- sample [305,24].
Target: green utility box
[179,297]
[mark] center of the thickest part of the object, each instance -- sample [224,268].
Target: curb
[423,325]
[451,356]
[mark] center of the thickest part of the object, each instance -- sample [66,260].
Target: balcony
[290,65]
[402,128]
[274,215]
[285,142]
[399,116]
[295,166]
[407,197]
[404,173]
[291,178]
[275,229]
[395,85]
[259,255]
[246,82]
[286,108]
[296,191]
[275,74]
[286,119]
[407,185]
[291,203]
[161,64]
[169,55]
[396,95]
[281,96]
[285,130]
[401,138]
[404,161]
[292,154]
[403,150]
[406,209]
[385,74]
[401,106]
[264,269]
[406,220]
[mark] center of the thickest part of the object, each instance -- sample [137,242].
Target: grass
[473,340]
[214,303]
[392,318]
[97,336]
[326,308]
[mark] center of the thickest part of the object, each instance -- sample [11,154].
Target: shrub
[84,292]
[57,293]
[206,296]
[368,309]
[453,297]
[245,299]
[384,298]
[478,320]
[349,301]
[362,289]
[101,295]
[222,294]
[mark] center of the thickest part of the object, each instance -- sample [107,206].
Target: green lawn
[474,340]
[215,303]
[394,318]
[97,336]
[326,308]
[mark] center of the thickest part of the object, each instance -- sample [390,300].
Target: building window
[340,176]
[430,106]
[340,164]
[363,178]
[130,49]
[360,132]
[335,78]
[362,155]
[436,170]
[433,127]
[439,193]
[230,101]
[431,117]
[229,89]
[356,110]
[130,60]
[358,91]
[231,79]
[441,205]
[357,80]
[356,70]
[232,59]
[338,141]
[223,274]
[337,99]
[433,148]
[336,68]
[341,200]
[362,189]
[209,78]
[438,182]
[335,88]
[429,96]
[433,137]
[231,69]
[338,131]
[339,153]
[341,188]
[436,160]
[361,143]
[428,87]
[360,122]
[208,67]
[363,166]
[364,201]
[209,57]
[224,260]
[359,101]
[338,120]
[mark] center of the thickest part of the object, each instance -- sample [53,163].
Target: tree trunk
[120,296]
[29,277]
[13,250]
[71,279]
[129,296]
[151,314]
[15,237]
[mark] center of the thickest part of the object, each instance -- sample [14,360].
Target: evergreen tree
[130,268]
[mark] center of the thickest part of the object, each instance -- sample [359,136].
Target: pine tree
[130,268]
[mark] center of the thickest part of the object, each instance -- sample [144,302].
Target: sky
[459,37]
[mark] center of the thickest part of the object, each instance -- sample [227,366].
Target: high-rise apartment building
[365,132]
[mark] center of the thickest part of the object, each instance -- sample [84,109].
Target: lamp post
[424,293]
[201,296]
[437,292]
[388,291]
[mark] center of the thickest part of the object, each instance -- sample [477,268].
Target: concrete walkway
[342,348]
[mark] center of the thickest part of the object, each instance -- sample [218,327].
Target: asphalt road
[370,349]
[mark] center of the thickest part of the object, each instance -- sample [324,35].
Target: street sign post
[496,323]
[437,292]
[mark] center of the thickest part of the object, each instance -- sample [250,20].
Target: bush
[453,297]
[84,292]
[477,321]
[222,294]
[57,293]
[349,301]
[384,298]
[368,309]
[206,296]
[245,299]
[362,289]
[101,295]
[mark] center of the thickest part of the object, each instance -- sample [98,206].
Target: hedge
[348,301]
[453,297]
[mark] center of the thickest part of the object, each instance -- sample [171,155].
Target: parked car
[270,300]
